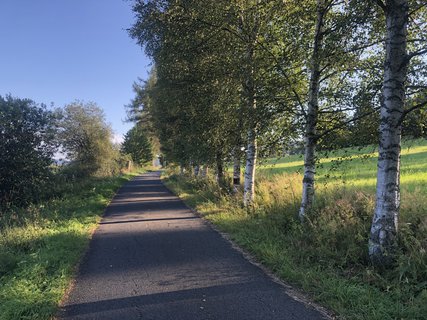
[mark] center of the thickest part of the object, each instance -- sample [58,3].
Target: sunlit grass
[327,256]
[41,245]
[356,167]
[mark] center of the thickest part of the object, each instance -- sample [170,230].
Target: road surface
[152,258]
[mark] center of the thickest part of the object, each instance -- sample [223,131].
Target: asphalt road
[152,258]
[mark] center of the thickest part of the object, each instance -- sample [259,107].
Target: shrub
[27,133]
[86,138]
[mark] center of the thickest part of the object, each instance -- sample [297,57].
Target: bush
[27,133]
[87,140]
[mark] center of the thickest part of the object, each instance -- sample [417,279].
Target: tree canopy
[86,137]
[136,143]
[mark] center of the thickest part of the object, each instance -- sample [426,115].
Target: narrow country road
[152,258]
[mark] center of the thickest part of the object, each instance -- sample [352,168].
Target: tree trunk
[205,171]
[219,168]
[181,169]
[251,155]
[385,221]
[312,116]
[196,170]
[236,170]
[250,104]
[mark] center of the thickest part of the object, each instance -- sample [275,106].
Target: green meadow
[357,167]
[327,256]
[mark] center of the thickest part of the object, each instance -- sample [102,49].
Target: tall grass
[41,245]
[327,256]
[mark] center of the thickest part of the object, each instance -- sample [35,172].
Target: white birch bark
[251,152]
[249,98]
[385,221]
[251,156]
[312,116]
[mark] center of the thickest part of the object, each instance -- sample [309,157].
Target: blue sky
[65,50]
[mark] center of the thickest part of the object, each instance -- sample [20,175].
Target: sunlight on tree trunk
[251,155]
[385,221]
[312,116]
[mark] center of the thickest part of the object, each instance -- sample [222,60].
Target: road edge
[295,294]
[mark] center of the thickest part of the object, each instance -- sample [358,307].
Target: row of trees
[32,136]
[242,78]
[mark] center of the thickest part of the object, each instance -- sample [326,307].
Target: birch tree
[338,41]
[312,111]
[397,14]
[248,29]
[256,34]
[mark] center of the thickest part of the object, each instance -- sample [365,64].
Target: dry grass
[327,257]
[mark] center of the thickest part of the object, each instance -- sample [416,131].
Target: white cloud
[117,138]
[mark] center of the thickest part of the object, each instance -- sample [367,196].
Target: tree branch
[416,9]
[381,4]
[416,53]
[347,122]
[418,106]
[279,67]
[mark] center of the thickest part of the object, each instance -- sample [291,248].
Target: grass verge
[327,257]
[41,245]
